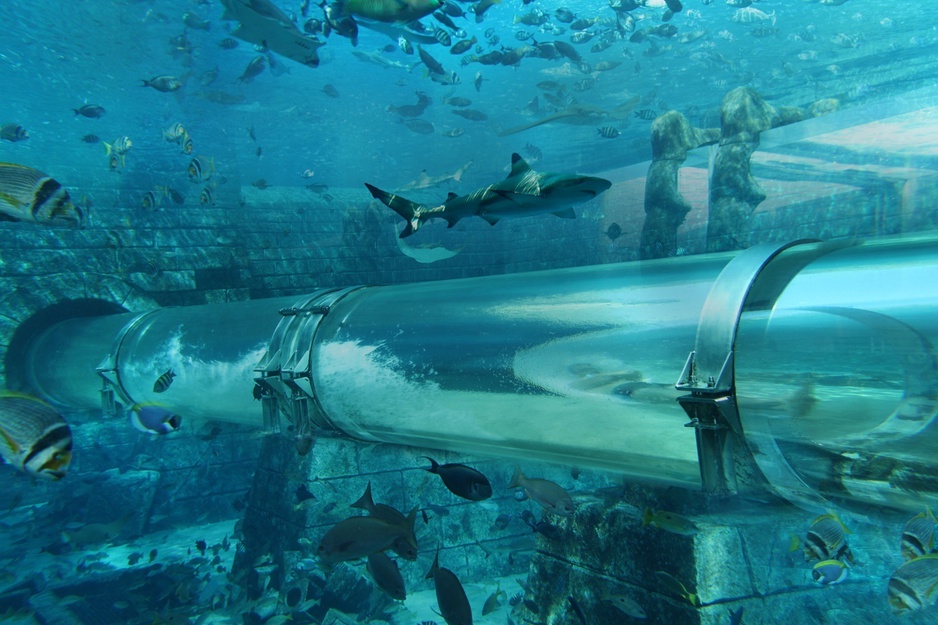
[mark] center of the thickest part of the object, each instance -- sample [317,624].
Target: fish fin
[566,213]
[365,502]
[409,526]
[794,544]
[490,219]
[435,566]
[518,165]
[407,209]
[5,217]
[12,444]
[434,465]
[459,172]
[451,196]
[647,517]
[517,478]
[108,148]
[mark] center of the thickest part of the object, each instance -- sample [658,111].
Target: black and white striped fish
[162,383]
[33,436]
[918,536]
[27,194]
[914,585]
[609,132]
[647,114]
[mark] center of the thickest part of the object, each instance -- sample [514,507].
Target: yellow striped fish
[33,436]
[27,194]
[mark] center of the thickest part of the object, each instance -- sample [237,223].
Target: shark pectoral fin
[451,196]
[566,213]
[489,218]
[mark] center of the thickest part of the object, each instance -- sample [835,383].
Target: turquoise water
[237,488]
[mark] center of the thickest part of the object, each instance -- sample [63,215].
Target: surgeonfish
[918,536]
[162,383]
[27,194]
[33,436]
[550,495]
[461,480]
[669,521]
[13,132]
[154,419]
[93,111]
[391,10]
[914,585]
[166,84]
[386,575]
[450,595]
[827,572]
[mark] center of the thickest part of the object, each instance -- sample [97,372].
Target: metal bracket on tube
[109,372]
[284,374]
[708,372]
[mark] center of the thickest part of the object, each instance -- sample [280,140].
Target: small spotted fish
[162,383]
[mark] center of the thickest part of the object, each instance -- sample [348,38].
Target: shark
[425,181]
[524,192]
[581,115]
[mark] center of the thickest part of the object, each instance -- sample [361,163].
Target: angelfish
[461,480]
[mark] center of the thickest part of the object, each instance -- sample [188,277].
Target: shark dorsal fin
[450,196]
[518,165]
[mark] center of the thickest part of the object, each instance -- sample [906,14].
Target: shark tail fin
[410,211]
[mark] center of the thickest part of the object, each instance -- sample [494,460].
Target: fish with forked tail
[524,192]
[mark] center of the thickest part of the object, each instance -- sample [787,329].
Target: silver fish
[550,495]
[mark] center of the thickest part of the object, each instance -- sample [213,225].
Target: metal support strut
[708,373]
[284,382]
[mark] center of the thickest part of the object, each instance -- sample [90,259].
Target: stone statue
[734,193]
[665,209]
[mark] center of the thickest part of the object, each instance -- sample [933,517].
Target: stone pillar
[671,138]
[734,193]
